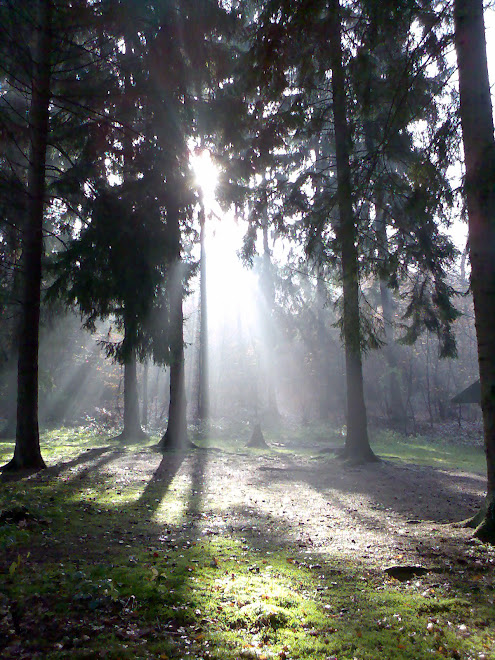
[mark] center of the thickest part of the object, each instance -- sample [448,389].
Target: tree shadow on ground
[88,456]
[399,510]
[261,530]
[412,491]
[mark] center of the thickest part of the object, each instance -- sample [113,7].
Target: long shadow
[266,531]
[54,470]
[156,488]
[409,490]
[262,530]
[191,462]
[412,523]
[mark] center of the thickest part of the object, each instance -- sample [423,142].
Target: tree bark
[27,453]
[175,437]
[202,393]
[479,156]
[357,447]
[144,416]
[132,426]
[396,406]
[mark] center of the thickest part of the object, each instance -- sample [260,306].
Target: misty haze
[247,369]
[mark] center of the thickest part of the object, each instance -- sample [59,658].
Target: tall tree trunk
[357,447]
[27,453]
[268,290]
[175,436]
[144,416]
[131,400]
[132,424]
[396,406]
[479,155]
[202,393]
[322,348]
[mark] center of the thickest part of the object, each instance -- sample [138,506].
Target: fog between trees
[333,127]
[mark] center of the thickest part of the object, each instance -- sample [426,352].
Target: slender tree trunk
[175,437]
[202,394]
[268,290]
[479,155]
[324,151]
[322,349]
[428,380]
[396,402]
[357,447]
[144,417]
[27,453]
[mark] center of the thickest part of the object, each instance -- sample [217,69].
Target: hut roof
[471,394]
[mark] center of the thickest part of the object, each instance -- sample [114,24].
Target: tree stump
[257,438]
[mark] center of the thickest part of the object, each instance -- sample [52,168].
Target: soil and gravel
[378,513]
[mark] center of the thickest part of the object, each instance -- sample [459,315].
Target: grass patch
[424,450]
[66,444]
[216,598]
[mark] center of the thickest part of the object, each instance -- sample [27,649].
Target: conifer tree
[394,92]
[54,64]
[293,108]
[27,453]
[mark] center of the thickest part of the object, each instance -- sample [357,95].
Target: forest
[247,358]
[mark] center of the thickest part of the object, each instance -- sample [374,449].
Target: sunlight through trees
[250,205]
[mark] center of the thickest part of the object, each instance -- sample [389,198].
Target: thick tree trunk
[479,155]
[132,425]
[175,436]
[27,453]
[357,447]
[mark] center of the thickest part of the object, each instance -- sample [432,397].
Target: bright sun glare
[224,236]
[231,289]
[206,176]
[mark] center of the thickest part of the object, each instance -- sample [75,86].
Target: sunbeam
[233,304]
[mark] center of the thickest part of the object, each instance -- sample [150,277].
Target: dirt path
[379,514]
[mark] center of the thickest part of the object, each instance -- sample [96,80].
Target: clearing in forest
[223,553]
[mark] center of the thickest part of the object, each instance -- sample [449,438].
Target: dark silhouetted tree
[479,155]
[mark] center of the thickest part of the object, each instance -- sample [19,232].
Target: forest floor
[121,552]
